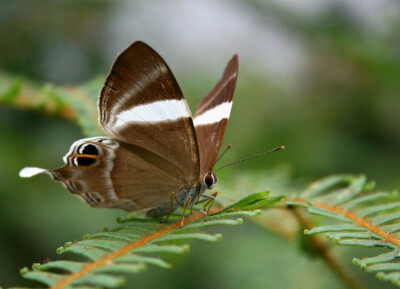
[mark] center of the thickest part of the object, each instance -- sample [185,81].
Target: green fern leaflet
[362,218]
[129,247]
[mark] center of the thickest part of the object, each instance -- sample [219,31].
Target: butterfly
[157,156]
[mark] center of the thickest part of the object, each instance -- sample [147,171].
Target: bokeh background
[320,77]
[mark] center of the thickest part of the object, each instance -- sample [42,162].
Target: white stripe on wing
[157,111]
[213,115]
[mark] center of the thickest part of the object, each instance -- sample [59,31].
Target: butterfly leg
[187,202]
[209,203]
[208,200]
[171,207]
[205,198]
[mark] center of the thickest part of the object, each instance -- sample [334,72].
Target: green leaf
[130,246]
[252,202]
[69,266]
[173,249]
[377,209]
[102,244]
[334,228]
[325,213]
[141,259]
[360,217]
[121,268]
[46,278]
[321,186]
[101,280]
[93,254]
[377,259]
[198,236]
[114,235]
[364,199]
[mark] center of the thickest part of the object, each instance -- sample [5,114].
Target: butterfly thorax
[194,192]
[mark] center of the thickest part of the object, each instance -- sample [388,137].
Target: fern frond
[130,247]
[362,218]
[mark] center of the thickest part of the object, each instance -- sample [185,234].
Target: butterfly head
[210,180]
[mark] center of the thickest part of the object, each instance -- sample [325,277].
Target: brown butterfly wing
[141,104]
[106,173]
[153,152]
[212,115]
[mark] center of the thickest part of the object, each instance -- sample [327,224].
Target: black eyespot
[82,161]
[90,149]
[87,150]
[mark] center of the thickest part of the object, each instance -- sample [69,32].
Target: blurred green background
[320,77]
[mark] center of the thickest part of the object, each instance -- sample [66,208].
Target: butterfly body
[157,157]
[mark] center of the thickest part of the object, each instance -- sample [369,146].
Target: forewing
[212,115]
[142,105]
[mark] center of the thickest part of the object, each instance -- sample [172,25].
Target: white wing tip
[30,172]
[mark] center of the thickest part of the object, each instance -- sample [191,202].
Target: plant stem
[323,251]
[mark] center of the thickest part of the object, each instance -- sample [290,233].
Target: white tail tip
[30,172]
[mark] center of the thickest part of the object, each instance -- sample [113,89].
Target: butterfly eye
[210,180]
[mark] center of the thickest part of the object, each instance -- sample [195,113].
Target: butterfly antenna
[249,158]
[229,146]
